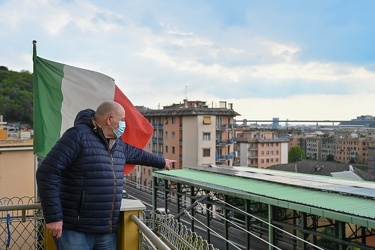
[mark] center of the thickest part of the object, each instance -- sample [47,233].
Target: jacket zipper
[114,195]
[114,179]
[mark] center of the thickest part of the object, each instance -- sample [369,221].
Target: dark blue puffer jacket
[80,181]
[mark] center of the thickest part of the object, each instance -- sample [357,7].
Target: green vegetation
[16,96]
[330,157]
[296,154]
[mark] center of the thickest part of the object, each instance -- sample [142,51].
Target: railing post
[128,236]
[48,239]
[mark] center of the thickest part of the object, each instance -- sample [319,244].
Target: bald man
[80,180]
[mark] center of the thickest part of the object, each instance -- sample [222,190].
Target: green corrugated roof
[332,205]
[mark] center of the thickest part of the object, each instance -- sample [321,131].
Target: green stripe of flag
[48,99]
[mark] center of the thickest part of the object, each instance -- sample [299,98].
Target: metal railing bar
[20,207]
[192,206]
[156,241]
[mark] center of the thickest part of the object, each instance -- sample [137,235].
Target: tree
[330,157]
[16,96]
[296,154]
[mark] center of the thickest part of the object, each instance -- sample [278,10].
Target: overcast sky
[287,59]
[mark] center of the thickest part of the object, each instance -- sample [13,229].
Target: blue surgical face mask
[120,130]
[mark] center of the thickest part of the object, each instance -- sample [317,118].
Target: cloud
[153,53]
[304,107]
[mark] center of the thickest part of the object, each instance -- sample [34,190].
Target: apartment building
[260,149]
[351,150]
[327,147]
[295,141]
[371,158]
[313,148]
[192,134]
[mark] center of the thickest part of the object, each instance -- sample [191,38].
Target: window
[206,136]
[173,150]
[207,120]
[166,149]
[173,135]
[166,134]
[173,120]
[206,152]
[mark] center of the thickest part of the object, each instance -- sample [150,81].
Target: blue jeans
[71,240]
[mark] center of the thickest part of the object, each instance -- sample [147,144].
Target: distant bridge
[291,121]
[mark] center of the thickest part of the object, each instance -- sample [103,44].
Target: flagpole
[34,87]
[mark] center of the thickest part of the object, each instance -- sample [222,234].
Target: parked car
[162,211]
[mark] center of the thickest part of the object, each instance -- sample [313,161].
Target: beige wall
[202,144]
[284,153]
[17,175]
[190,141]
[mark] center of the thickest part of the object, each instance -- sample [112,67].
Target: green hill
[16,96]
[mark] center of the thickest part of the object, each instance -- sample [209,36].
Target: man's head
[109,116]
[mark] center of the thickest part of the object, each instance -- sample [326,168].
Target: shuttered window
[207,120]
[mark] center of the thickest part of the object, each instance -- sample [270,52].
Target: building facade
[261,149]
[192,134]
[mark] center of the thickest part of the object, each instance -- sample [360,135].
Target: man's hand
[55,228]
[168,164]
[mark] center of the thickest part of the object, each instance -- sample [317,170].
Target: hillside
[16,96]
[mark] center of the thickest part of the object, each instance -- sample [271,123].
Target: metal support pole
[304,226]
[208,219]
[226,233]
[192,201]
[247,222]
[179,198]
[271,237]
[341,235]
[154,196]
[166,193]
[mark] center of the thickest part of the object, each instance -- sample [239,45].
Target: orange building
[261,149]
[192,134]
[351,149]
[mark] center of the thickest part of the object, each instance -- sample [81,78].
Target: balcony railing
[21,224]
[22,227]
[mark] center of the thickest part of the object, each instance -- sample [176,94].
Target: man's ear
[108,120]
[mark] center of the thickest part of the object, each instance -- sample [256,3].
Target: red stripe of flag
[138,130]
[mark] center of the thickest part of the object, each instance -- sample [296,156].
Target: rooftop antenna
[186,92]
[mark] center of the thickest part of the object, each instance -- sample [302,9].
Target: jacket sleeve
[49,172]
[139,156]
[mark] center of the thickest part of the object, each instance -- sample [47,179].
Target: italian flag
[61,91]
